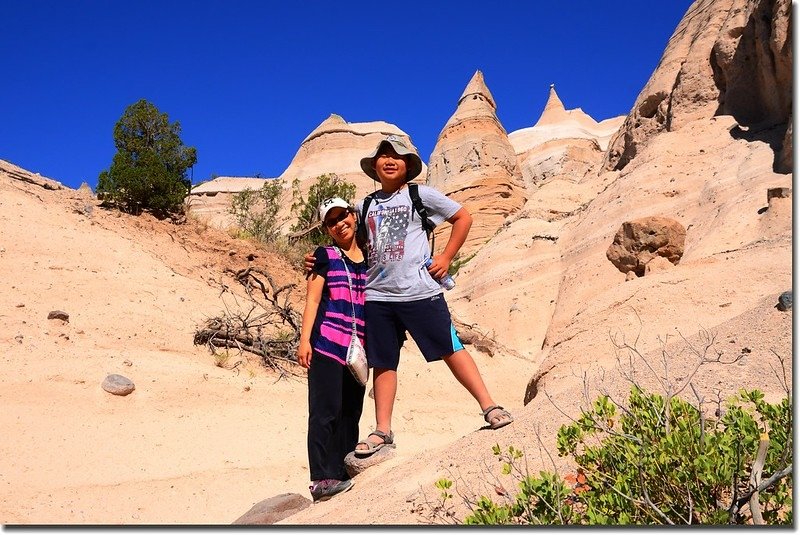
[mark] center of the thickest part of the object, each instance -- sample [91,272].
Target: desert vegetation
[149,169]
[653,459]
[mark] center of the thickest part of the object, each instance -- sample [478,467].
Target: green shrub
[256,211]
[644,464]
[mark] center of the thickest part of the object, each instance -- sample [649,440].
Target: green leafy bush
[148,172]
[307,209]
[659,462]
[256,211]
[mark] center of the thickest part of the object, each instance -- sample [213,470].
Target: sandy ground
[194,443]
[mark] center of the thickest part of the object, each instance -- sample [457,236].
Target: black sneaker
[325,489]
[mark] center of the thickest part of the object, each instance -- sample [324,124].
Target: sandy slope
[195,443]
[199,444]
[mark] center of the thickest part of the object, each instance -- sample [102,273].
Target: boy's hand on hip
[308,263]
[439,266]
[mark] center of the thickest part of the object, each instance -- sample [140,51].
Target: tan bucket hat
[413,161]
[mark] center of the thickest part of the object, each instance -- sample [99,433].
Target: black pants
[335,402]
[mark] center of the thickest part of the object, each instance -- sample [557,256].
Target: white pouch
[357,360]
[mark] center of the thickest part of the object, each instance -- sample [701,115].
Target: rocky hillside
[705,153]
[544,284]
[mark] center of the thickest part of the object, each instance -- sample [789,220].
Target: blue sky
[248,81]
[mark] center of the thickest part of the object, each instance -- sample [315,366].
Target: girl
[334,294]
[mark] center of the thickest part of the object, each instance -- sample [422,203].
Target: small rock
[274,509]
[58,315]
[629,276]
[231,252]
[127,363]
[356,465]
[784,301]
[779,193]
[118,385]
[20,305]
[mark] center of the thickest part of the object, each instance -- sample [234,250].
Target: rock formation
[726,57]
[474,163]
[563,142]
[211,201]
[334,147]
[337,146]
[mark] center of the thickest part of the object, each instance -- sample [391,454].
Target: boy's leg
[384,336]
[384,388]
[466,371]
[431,327]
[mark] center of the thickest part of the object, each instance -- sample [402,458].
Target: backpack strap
[416,201]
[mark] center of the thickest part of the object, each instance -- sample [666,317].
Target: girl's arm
[461,221]
[313,297]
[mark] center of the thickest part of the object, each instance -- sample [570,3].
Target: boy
[402,296]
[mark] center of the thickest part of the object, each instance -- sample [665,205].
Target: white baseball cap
[328,204]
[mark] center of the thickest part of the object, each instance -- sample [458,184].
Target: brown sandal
[372,448]
[500,419]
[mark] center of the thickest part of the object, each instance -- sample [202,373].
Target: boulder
[784,301]
[274,509]
[638,242]
[58,315]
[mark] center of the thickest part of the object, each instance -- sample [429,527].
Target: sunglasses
[333,221]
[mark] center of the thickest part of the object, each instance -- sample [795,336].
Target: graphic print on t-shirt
[389,227]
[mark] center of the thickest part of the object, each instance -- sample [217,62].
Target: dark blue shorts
[426,320]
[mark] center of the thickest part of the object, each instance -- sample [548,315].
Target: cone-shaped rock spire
[477,87]
[554,111]
[474,163]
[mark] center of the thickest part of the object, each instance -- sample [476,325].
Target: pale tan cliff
[726,57]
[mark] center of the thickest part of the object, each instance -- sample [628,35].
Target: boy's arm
[313,298]
[461,221]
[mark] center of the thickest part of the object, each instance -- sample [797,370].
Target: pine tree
[148,171]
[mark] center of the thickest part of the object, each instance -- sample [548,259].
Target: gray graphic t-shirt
[398,245]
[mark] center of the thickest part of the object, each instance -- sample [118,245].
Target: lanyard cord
[350,286]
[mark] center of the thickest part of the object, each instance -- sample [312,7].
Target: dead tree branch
[269,327]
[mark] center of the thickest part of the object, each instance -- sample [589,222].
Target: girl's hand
[304,354]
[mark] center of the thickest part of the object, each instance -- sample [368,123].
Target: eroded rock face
[638,242]
[726,57]
[474,163]
[567,143]
[337,146]
[334,147]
